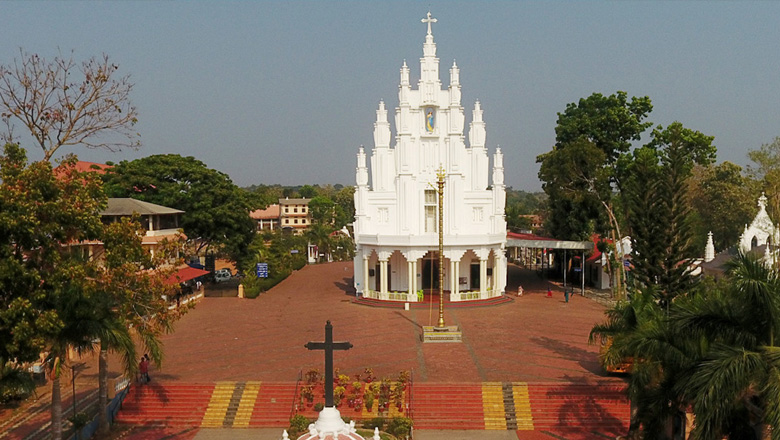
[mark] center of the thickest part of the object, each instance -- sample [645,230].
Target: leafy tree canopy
[216,210]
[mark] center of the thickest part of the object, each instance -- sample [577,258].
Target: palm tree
[635,329]
[319,234]
[75,328]
[737,378]
[713,353]
[129,295]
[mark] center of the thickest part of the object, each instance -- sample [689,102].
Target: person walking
[146,357]
[143,368]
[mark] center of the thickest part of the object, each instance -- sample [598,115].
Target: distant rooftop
[286,201]
[127,206]
[83,167]
[272,212]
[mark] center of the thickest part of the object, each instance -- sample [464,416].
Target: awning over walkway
[185,274]
[514,239]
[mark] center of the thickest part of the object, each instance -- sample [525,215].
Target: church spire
[429,63]
[429,48]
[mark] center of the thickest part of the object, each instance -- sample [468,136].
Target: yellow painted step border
[247,404]
[220,398]
[493,406]
[525,420]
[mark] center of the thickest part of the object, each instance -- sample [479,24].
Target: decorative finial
[440,173]
[285,435]
[376,434]
[429,20]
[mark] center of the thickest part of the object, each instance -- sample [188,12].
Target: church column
[383,278]
[410,279]
[453,278]
[366,287]
[482,277]
[414,275]
[456,273]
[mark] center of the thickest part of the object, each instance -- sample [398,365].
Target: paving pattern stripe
[235,400]
[247,404]
[525,419]
[218,405]
[509,406]
[493,406]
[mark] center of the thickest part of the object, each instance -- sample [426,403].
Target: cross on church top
[328,346]
[429,20]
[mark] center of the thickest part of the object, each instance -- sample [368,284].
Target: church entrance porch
[403,274]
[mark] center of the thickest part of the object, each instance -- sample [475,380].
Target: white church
[396,211]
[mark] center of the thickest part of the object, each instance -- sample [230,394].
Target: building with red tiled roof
[267,219]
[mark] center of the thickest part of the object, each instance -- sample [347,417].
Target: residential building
[294,214]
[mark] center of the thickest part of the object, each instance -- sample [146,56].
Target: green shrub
[298,425]
[319,406]
[376,422]
[79,420]
[400,426]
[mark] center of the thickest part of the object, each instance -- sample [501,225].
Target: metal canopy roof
[514,239]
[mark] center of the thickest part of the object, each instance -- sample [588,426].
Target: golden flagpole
[440,182]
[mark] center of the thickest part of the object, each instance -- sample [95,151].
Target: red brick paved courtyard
[534,338]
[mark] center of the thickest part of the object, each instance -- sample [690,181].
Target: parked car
[222,275]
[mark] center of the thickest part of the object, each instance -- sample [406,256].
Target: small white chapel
[396,210]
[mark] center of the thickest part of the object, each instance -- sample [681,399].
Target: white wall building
[396,213]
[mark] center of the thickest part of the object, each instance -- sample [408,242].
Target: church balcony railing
[467,296]
[390,296]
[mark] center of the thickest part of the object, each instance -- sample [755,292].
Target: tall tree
[645,221]
[322,211]
[60,102]
[217,210]
[51,296]
[602,125]
[659,209]
[44,288]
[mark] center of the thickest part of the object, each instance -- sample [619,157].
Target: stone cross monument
[328,346]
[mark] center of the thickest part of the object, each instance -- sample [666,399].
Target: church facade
[396,210]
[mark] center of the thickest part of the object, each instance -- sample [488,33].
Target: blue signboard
[262,270]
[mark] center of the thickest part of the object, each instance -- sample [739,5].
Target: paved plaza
[534,338]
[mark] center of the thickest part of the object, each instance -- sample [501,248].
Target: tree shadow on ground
[601,405]
[139,391]
[586,359]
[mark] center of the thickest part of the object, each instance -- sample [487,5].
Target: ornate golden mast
[440,184]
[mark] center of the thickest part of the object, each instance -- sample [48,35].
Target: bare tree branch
[56,109]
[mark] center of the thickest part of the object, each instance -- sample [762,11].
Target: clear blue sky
[285,92]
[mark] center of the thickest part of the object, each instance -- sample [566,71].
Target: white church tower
[396,213]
